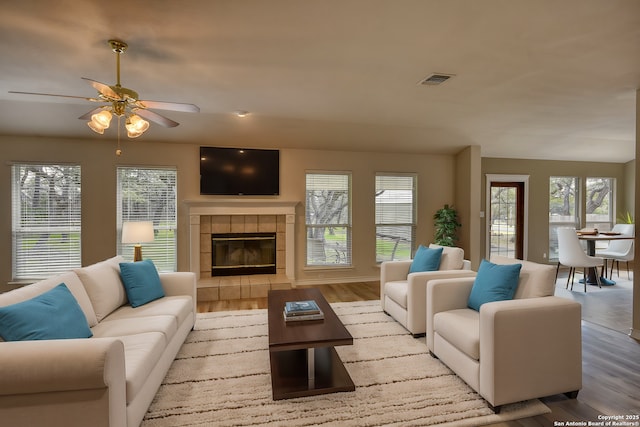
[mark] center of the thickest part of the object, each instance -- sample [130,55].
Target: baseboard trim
[334,280]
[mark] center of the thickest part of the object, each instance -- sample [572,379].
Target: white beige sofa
[109,379]
[512,350]
[403,294]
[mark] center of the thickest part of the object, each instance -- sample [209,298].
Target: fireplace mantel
[197,208]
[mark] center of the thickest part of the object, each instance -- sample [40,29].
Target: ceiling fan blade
[60,96]
[103,89]
[173,106]
[156,118]
[87,116]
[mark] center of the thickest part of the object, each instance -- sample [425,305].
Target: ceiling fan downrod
[118,47]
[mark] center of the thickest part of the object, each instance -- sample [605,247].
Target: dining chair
[572,255]
[619,250]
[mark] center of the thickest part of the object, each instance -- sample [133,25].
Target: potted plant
[446,224]
[625,218]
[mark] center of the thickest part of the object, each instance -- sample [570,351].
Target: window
[149,194]
[599,203]
[395,216]
[328,219]
[563,208]
[46,201]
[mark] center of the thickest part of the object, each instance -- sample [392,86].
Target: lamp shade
[137,232]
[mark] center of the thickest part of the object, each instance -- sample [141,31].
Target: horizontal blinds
[395,216]
[328,219]
[149,194]
[46,219]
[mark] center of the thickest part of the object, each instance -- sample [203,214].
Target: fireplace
[235,254]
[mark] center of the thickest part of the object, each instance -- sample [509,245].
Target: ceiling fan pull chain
[118,150]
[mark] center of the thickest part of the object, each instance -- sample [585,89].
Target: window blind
[395,205]
[149,194]
[46,219]
[328,219]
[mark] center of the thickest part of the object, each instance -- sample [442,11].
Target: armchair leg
[572,394]
[495,409]
[424,334]
[432,355]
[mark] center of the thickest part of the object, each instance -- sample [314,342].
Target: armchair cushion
[426,259]
[494,282]
[452,257]
[460,328]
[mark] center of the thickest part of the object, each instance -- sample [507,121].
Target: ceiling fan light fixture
[100,121]
[136,126]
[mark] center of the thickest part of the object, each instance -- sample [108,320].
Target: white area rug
[221,377]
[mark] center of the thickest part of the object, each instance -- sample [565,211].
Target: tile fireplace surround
[240,216]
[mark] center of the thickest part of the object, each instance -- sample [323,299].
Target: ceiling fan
[123,102]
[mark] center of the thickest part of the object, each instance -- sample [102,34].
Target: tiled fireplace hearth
[239,217]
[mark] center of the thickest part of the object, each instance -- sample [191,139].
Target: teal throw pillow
[494,282]
[52,315]
[141,282]
[426,259]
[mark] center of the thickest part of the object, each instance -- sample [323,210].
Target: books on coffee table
[302,310]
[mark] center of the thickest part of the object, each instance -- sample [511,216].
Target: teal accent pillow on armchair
[141,282]
[426,259]
[494,282]
[54,314]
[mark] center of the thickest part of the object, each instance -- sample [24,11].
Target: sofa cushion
[141,282]
[397,291]
[426,259]
[452,257]
[54,314]
[536,280]
[103,285]
[179,306]
[494,282]
[167,324]
[141,355]
[70,279]
[461,328]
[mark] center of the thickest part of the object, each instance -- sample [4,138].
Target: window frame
[346,224]
[412,223]
[163,252]
[50,258]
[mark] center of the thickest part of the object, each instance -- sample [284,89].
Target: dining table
[591,238]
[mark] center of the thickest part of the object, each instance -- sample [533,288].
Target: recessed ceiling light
[241,113]
[435,79]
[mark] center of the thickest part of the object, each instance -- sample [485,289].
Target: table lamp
[137,232]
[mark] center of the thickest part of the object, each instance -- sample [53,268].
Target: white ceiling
[538,79]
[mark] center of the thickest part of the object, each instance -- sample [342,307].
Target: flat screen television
[239,171]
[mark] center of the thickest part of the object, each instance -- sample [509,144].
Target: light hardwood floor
[611,359]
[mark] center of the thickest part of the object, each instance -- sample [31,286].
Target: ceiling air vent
[436,79]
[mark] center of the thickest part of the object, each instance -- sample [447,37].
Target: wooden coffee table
[304,361]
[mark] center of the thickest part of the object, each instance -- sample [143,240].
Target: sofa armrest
[530,348]
[88,373]
[445,295]
[391,271]
[417,293]
[180,283]
[56,365]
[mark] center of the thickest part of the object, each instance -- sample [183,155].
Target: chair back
[625,229]
[621,249]
[536,280]
[570,252]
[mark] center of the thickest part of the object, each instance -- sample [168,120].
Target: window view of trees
[565,203]
[328,220]
[46,223]
[149,194]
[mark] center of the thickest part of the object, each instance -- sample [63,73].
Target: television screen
[239,171]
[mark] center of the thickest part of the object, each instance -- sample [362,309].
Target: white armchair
[403,294]
[513,350]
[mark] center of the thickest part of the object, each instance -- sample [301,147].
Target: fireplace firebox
[234,254]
